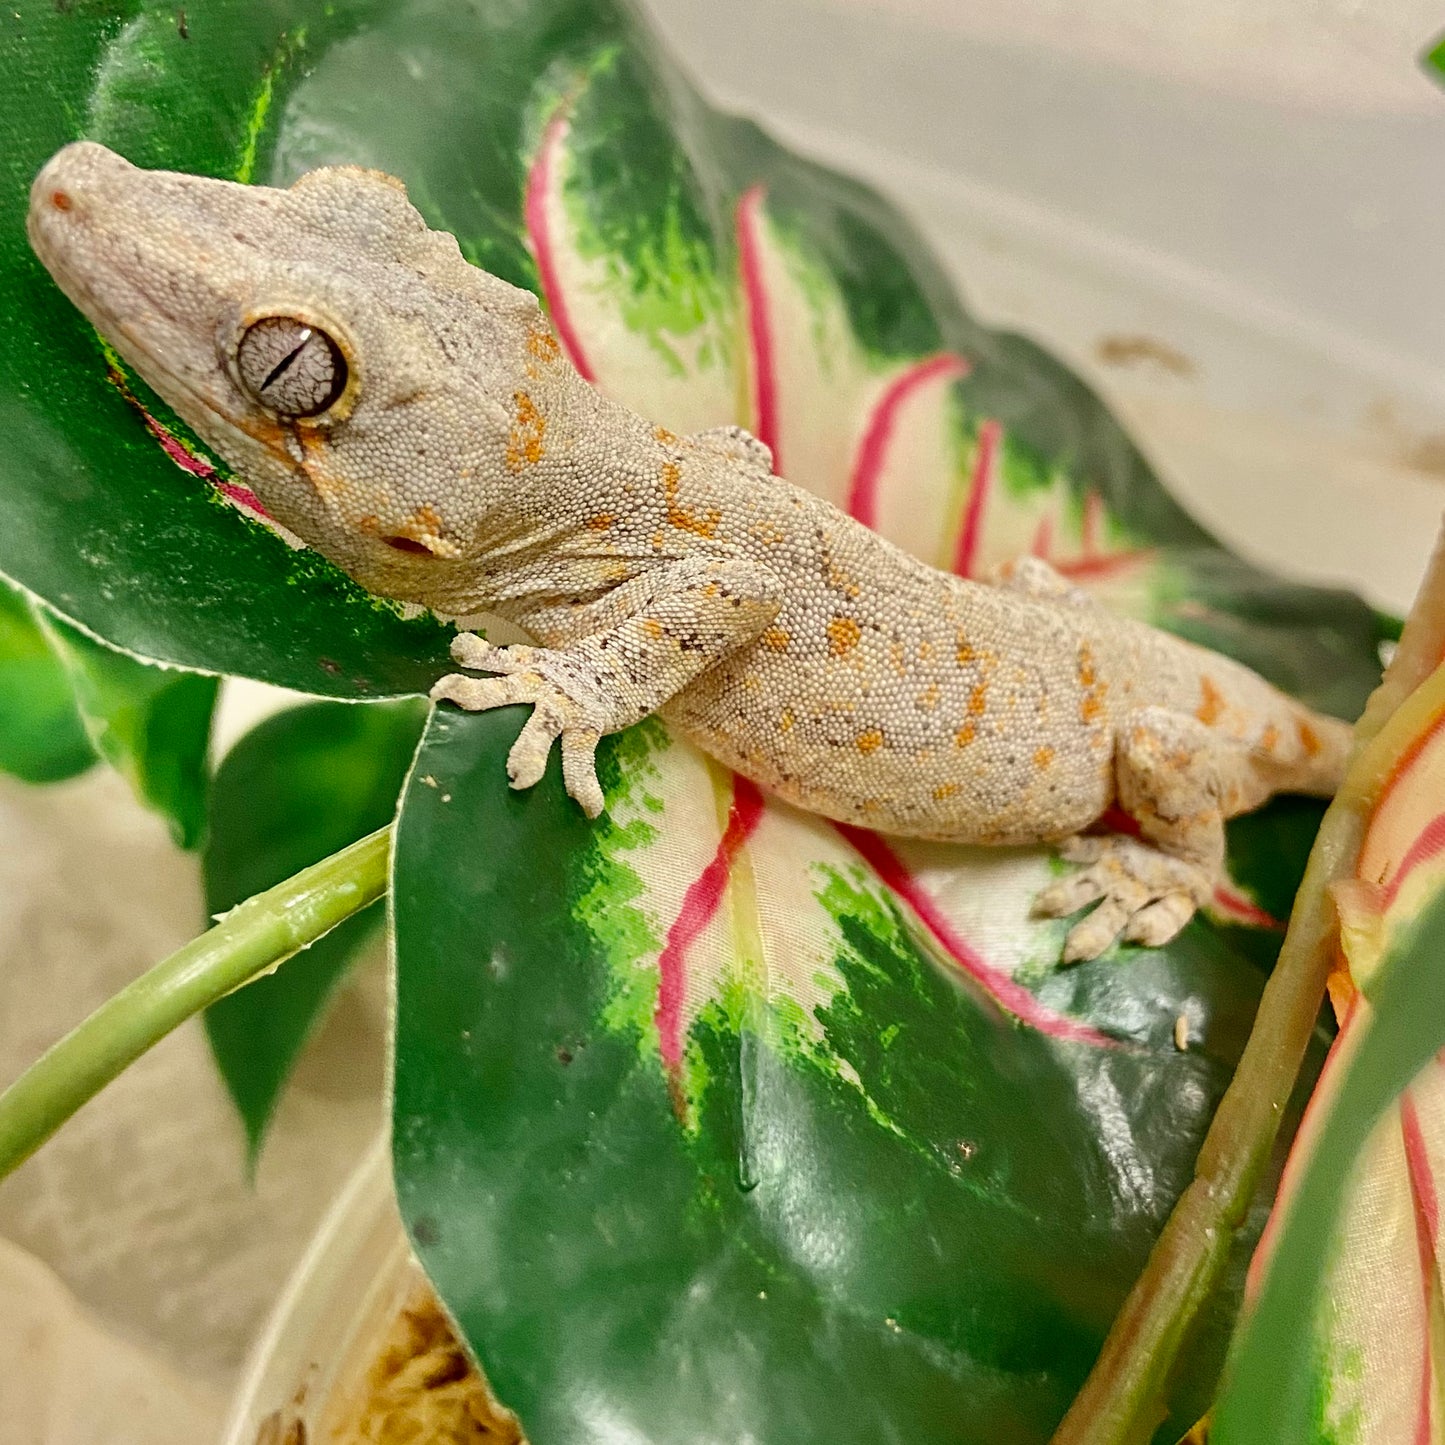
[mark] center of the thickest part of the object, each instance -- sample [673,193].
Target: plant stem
[252,939]
[1123,1400]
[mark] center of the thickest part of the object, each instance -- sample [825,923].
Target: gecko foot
[1144,895]
[541,677]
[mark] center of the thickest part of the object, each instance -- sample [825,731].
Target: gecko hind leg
[1141,893]
[1179,780]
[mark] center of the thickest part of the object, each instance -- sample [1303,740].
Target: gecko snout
[66,193]
[70,174]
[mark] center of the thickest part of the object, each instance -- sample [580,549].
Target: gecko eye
[291,367]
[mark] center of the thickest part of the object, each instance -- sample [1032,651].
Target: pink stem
[1103,564]
[1427,1223]
[1011,996]
[535,214]
[1295,1159]
[878,432]
[699,905]
[759,319]
[1233,904]
[1407,759]
[965,556]
[1430,843]
[185,458]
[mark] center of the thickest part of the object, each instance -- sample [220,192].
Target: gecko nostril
[61,200]
[409,544]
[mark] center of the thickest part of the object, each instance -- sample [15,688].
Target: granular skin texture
[450,455]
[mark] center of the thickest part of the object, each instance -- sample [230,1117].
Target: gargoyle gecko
[414,419]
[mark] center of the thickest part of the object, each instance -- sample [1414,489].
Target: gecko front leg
[643,643]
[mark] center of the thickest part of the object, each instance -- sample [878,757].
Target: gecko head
[343,359]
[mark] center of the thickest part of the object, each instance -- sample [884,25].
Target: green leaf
[1271,1389]
[1350,1259]
[294,790]
[111,510]
[106,526]
[42,738]
[904,1216]
[152,724]
[712,1121]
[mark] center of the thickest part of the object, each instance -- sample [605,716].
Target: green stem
[1123,1400]
[251,940]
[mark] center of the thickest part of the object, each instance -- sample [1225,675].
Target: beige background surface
[132,1248]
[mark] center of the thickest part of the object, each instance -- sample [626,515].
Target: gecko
[415,419]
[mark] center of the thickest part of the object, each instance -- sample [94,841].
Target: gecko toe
[470,650]
[1157,922]
[1083,848]
[579,769]
[1119,901]
[1069,895]
[527,760]
[480,694]
[1144,896]
[1088,939]
[481,656]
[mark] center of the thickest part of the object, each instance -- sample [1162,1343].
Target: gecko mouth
[409,544]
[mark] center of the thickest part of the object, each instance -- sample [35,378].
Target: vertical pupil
[291,367]
[284,365]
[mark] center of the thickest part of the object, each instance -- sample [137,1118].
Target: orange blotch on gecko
[1211,708]
[679,516]
[524,442]
[870,741]
[843,635]
[1091,705]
